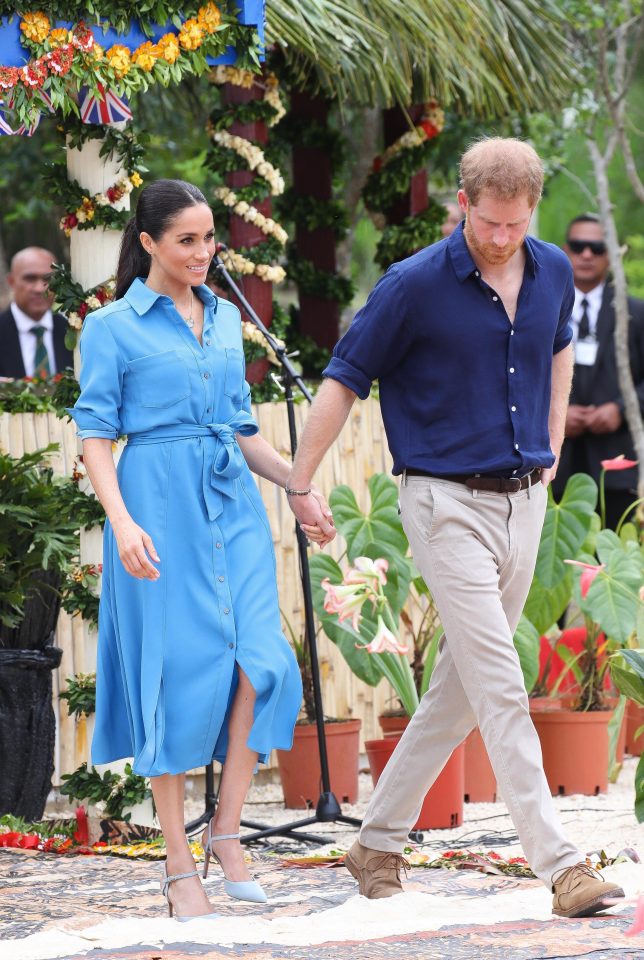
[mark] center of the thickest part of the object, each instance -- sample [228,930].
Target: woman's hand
[134,546]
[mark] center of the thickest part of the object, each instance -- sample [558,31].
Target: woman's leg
[235,780]
[188,896]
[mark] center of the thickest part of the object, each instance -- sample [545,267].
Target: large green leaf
[627,671]
[381,525]
[613,599]
[639,791]
[526,641]
[565,528]
[544,606]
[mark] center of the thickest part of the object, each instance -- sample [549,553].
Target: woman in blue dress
[192,663]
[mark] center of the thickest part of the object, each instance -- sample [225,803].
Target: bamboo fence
[360,451]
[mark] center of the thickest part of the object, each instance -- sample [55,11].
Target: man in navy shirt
[470,342]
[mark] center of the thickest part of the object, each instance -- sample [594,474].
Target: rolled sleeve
[97,410]
[376,341]
[563,335]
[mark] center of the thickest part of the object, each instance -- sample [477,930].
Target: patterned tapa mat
[108,907]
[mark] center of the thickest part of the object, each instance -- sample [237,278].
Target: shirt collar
[25,323]
[141,297]
[594,296]
[463,262]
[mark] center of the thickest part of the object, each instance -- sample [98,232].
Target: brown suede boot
[580,891]
[377,871]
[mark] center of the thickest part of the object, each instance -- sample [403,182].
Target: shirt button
[511,333]
[476,273]
[218,545]
[516,446]
[226,610]
[221,579]
[207,342]
[511,369]
[512,409]
[495,298]
[208,409]
[206,375]
[230,646]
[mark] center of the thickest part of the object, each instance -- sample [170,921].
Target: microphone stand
[327,809]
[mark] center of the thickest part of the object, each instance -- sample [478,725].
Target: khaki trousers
[476,551]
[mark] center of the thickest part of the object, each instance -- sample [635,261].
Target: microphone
[220,247]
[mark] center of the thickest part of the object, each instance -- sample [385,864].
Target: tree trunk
[624,374]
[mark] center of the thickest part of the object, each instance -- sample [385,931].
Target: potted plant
[367,606]
[600,588]
[299,768]
[627,670]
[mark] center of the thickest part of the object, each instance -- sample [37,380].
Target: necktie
[584,321]
[41,360]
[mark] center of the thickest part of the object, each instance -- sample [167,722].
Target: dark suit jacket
[604,388]
[11,364]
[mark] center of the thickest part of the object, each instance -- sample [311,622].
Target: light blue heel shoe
[165,891]
[239,889]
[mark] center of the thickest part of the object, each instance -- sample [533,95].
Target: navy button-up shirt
[462,389]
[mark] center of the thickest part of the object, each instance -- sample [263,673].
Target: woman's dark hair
[158,205]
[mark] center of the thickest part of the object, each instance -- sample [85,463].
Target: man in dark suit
[32,339]
[596,429]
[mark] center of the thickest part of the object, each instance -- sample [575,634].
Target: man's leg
[467,546]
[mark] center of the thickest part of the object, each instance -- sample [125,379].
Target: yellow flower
[135,179]
[119,59]
[191,35]
[168,47]
[209,17]
[146,56]
[35,26]
[59,36]
[98,51]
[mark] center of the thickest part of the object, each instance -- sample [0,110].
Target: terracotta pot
[575,750]
[443,804]
[480,781]
[542,704]
[634,720]
[392,724]
[300,770]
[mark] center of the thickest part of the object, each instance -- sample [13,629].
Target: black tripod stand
[327,809]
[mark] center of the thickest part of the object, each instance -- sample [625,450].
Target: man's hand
[577,420]
[549,473]
[606,418]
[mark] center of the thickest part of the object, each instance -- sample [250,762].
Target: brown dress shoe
[377,871]
[580,891]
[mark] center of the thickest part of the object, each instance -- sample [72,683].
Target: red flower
[8,77]
[100,294]
[590,572]
[618,463]
[82,310]
[377,165]
[430,130]
[83,37]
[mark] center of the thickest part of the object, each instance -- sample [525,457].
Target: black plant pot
[27,730]
[27,721]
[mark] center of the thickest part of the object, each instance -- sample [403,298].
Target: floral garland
[431,123]
[269,180]
[74,302]
[66,59]
[87,215]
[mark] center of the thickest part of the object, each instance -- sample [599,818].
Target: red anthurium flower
[590,572]
[638,919]
[618,463]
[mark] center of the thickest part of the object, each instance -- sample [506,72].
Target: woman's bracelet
[296,493]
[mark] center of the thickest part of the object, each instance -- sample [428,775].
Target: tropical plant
[80,694]
[627,671]
[114,792]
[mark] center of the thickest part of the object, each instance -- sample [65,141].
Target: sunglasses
[596,247]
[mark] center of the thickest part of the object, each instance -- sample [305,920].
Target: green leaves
[612,600]
[526,641]
[565,528]
[381,525]
[627,671]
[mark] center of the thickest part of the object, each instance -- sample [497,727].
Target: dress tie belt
[221,466]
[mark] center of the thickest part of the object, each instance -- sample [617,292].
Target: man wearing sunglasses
[596,429]
[32,339]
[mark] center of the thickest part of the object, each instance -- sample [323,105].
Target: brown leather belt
[491,484]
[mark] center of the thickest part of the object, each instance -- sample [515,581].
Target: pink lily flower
[383,642]
[367,571]
[618,463]
[590,572]
[345,601]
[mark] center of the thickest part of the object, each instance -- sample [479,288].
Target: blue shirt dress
[167,650]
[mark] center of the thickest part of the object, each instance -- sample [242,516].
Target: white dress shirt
[594,298]
[28,339]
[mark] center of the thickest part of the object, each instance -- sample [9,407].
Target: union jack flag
[102,107]
[6,130]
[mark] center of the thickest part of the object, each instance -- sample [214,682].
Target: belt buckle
[516,480]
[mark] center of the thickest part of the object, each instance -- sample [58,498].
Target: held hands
[314,516]
[605,418]
[134,546]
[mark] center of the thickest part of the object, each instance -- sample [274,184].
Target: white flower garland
[254,157]
[251,214]
[239,264]
[246,79]
[252,334]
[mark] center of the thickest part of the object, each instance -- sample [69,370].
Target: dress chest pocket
[233,377]
[159,380]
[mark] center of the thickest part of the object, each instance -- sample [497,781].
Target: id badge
[586,352]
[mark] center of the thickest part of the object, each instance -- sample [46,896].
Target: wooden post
[312,176]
